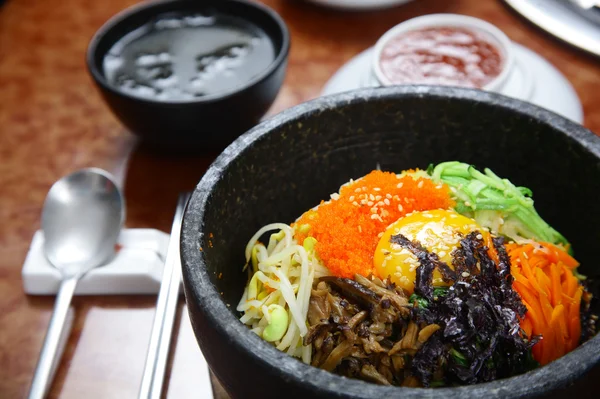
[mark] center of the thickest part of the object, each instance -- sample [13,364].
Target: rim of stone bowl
[544,379]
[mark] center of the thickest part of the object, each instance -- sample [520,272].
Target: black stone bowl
[207,123]
[287,164]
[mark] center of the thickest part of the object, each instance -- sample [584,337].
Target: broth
[180,58]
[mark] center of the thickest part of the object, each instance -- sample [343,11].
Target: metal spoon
[81,220]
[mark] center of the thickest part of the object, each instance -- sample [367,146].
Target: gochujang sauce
[441,55]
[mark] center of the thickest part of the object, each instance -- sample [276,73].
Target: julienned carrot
[521,279]
[555,326]
[543,277]
[556,289]
[526,326]
[491,249]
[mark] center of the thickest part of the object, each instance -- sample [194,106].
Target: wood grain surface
[52,121]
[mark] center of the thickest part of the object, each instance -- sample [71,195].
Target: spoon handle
[51,351]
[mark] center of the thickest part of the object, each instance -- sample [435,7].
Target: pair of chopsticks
[166,309]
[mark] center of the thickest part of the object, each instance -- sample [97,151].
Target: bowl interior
[289,164]
[137,16]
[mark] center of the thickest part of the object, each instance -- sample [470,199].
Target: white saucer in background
[359,4]
[534,79]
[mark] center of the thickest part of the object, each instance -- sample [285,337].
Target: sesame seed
[384,213]
[441,254]
[335,196]
[439,186]
[400,185]
[364,202]
[404,280]
[372,197]
[386,201]
[359,229]
[355,203]
[364,188]
[351,198]
[479,237]
[380,203]
[397,198]
[374,209]
[374,216]
[398,269]
[388,196]
[378,197]
[357,190]
[380,235]
[400,207]
[376,189]
[525,255]
[370,203]
[406,200]
[465,274]
[420,185]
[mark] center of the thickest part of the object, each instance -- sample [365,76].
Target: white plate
[359,4]
[534,79]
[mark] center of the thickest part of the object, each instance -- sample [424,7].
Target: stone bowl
[287,164]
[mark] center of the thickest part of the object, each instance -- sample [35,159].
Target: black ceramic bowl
[289,163]
[209,122]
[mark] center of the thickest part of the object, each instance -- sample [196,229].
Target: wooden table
[52,121]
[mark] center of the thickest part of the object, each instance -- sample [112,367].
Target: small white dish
[358,5]
[482,29]
[137,268]
[533,79]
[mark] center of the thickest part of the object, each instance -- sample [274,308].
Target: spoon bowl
[82,217]
[81,220]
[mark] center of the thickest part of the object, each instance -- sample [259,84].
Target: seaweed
[480,339]
[428,262]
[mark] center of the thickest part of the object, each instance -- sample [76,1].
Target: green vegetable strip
[477,194]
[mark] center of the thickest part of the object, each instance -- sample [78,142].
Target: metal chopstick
[166,306]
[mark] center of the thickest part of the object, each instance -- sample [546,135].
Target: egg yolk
[439,231]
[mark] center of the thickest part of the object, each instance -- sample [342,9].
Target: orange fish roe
[348,227]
